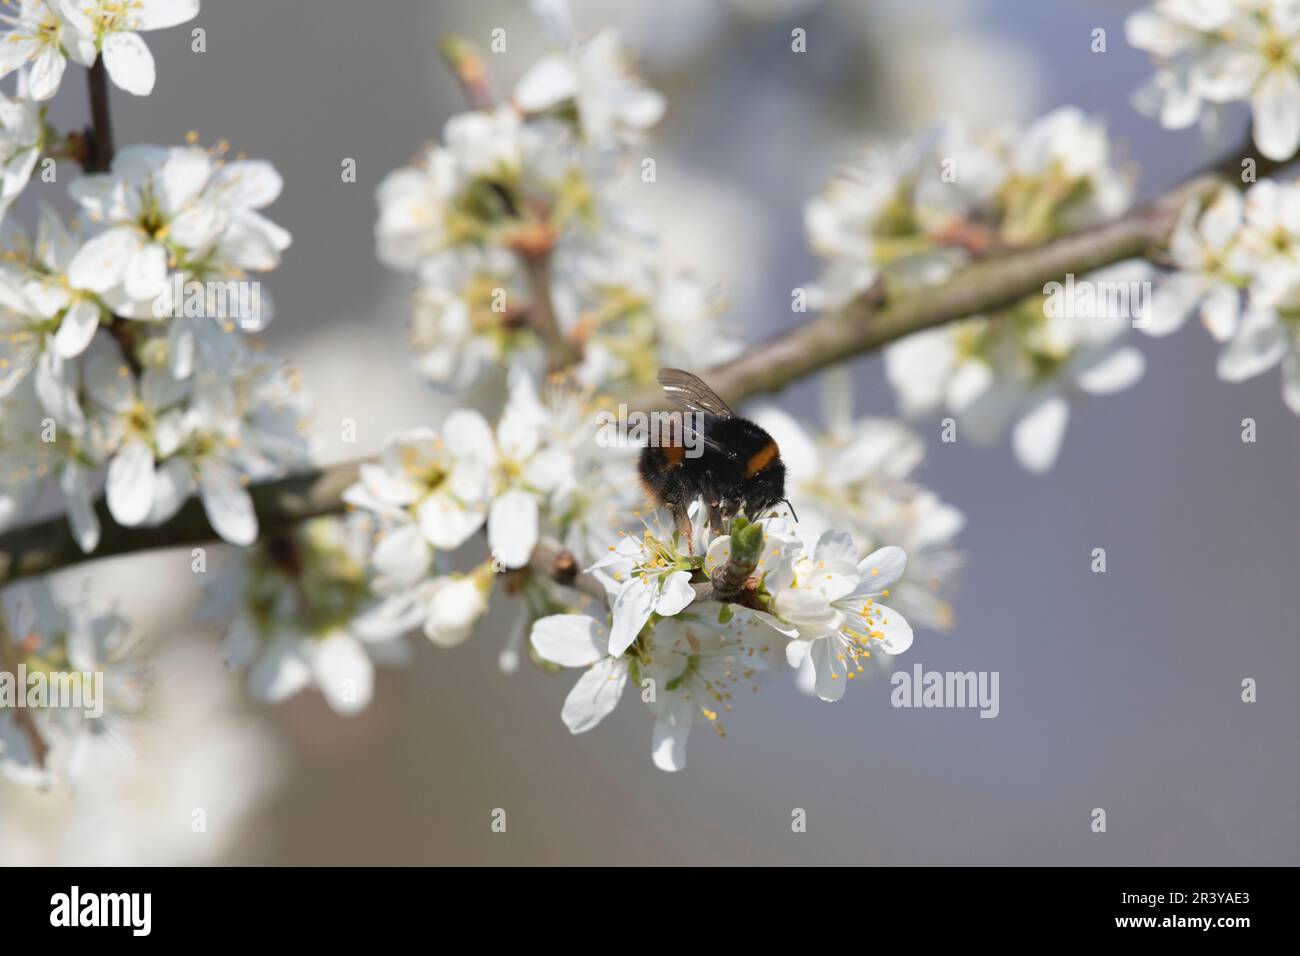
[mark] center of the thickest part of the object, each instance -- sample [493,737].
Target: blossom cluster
[82,680]
[1237,265]
[121,358]
[1214,52]
[907,218]
[39,37]
[510,218]
[125,365]
[685,655]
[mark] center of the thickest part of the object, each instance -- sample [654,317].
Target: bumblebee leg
[715,516]
[682,521]
[729,509]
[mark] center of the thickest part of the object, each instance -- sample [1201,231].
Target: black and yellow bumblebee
[738,466]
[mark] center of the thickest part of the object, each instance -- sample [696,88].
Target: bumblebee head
[766,489]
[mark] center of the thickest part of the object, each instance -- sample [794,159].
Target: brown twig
[562,352]
[49,545]
[99,137]
[98,158]
[470,71]
[769,366]
[9,660]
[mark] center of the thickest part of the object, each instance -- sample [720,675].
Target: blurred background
[1118,690]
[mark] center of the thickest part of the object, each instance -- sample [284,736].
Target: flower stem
[9,660]
[100,154]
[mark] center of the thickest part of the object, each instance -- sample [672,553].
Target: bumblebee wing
[690,392]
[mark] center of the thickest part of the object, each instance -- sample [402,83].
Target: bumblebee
[728,461]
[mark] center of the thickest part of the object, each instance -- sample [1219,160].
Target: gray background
[1118,690]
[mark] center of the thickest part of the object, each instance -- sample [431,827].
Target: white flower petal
[1276,107]
[550,81]
[447,524]
[881,568]
[1037,436]
[130,483]
[1258,345]
[1291,382]
[46,72]
[1173,301]
[159,14]
[75,484]
[675,594]
[632,608]
[809,611]
[570,640]
[129,62]
[100,264]
[836,547]
[174,482]
[1220,310]
[455,603]
[671,731]
[343,672]
[797,651]
[226,502]
[145,275]
[401,558]
[595,695]
[280,673]
[896,632]
[831,667]
[77,328]
[56,387]
[1112,372]
[512,528]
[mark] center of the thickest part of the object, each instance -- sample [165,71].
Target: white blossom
[828,605]
[174,209]
[1266,336]
[694,663]
[22,140]
[429,491]
[42,35]
[1224,51]
[46,33]
[644,574]
[857,477]
[1210,265]
[301,614]
[610,104]
[67,642]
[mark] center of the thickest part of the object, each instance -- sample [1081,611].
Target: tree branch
[49,545]
[865,324]
[766,367]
